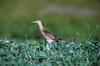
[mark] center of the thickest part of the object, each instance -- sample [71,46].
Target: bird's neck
[41,27]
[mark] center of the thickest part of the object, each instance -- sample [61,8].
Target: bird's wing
[51,35]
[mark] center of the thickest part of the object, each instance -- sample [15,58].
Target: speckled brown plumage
[50,37]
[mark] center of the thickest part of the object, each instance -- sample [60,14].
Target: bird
[48,36]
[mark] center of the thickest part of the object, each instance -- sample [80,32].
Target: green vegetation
[16,17]
[64,26]
[74,20]
[34,53]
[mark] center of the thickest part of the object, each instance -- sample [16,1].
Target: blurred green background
[72,19]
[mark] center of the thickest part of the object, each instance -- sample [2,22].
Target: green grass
[15,22]
[16,17]
[19,52]
[64,26]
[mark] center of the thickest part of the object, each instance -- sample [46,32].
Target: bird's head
[37,21]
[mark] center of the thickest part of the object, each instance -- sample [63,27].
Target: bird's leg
[48,46]
[45,42]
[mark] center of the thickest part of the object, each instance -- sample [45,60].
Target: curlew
[49,37]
